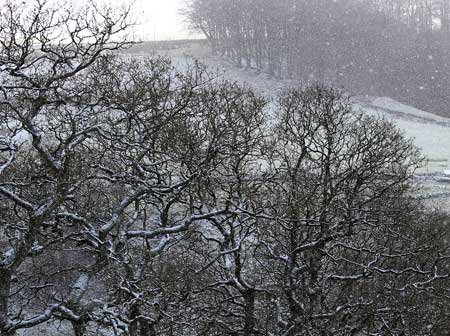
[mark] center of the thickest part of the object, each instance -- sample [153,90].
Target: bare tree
[341,228]
[44,50]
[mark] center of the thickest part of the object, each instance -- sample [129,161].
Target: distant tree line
[398,48]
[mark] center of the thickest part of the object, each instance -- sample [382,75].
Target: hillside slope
[430,132]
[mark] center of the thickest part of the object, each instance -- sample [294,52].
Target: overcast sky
[160,19]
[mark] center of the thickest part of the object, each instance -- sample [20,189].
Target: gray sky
[160,19]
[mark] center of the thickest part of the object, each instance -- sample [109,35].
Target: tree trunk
[79,328]
[5,286]
[133,327]
[249,326]
[147,328]
[140,327]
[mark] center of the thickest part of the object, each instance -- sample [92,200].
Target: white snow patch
[395,106]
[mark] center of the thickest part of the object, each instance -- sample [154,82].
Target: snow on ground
[431,133]
[393,105]
[184,53]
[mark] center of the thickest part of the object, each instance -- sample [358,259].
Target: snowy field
[431,133]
